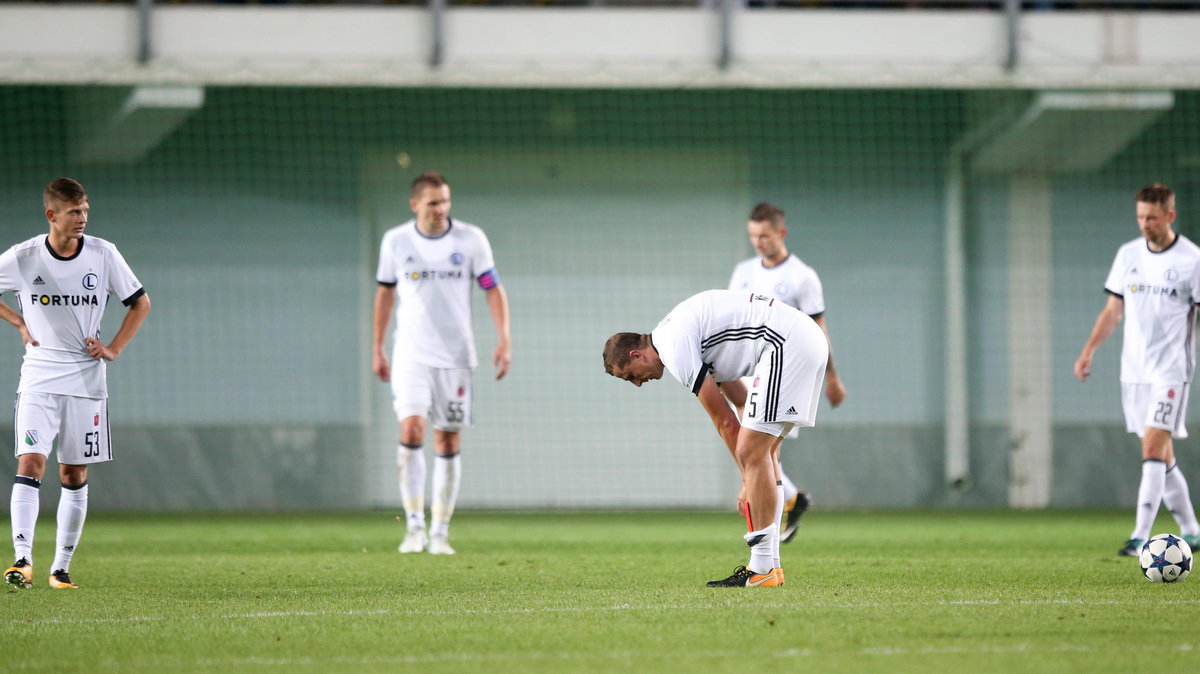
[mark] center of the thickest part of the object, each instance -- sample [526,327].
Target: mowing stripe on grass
[591,609]
[686,654]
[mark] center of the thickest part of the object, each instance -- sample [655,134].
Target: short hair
[427,179]
[767,212]
[63,191]
[617,348]
[1157,193]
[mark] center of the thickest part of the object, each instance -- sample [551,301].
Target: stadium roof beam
[124,124]
[1070,132]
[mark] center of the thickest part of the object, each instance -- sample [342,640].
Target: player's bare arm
[735,393]
[723,418]
[385,299]
[835,391]
[497,301]
[134,317]
[17,321]
[1110,316]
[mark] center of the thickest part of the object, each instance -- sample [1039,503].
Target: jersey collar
[1160,252]
[449,226]
[762,261]
[56,256]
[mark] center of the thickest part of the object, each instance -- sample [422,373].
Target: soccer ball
[1166,559]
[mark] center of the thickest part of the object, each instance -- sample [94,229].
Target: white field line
[266,615]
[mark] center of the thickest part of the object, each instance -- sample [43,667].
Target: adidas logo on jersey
[791,410]
[410,260]
[37,281]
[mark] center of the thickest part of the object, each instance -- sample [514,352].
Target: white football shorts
[442,395]
[792,434]
[79,424]
[1155,406]
[785,387]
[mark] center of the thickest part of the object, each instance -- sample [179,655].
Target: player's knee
[72,476]
[1156,444]
[751,454]
[446,443]
[31,465]
[412,431]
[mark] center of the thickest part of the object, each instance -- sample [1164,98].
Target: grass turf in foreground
[896,591]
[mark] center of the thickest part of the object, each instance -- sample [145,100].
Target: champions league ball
[1166,559]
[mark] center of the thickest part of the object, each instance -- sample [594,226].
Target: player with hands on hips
[63,281]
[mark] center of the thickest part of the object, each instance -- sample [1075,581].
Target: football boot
[743,577]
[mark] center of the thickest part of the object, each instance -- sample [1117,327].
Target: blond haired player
[63,281]
[778,273]
[711,340]
[1154,285]
[430,263]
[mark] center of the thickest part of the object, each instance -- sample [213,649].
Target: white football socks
[447,473]
[779,501]
[1178,500]
[72,511]
[789,489]
[23,508]
[1150,495]
[411,461]
[763,544]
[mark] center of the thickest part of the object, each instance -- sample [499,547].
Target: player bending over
[711,340]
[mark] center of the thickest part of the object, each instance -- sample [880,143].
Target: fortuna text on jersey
[64,300]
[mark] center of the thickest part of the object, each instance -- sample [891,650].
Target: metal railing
[965,5]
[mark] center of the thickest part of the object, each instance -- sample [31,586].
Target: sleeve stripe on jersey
[1114,294]
[489,279]
[704,368]
[129,301]
[388,284]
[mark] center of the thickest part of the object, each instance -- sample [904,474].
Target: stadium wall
[253,222]
[596,47]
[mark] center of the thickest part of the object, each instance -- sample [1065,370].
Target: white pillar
[957,435]
[1030,279]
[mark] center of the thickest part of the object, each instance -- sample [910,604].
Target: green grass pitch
[588,592]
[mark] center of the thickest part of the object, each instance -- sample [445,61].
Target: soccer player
[431,262]
[714,339]
[1154,284]
[63,281]
[776,272]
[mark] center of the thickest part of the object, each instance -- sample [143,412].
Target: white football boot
[440,545]
[414,541]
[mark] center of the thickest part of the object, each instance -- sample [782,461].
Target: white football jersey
[724,332]
[792,281]
[62,301]
[1160,291]
[433,278]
